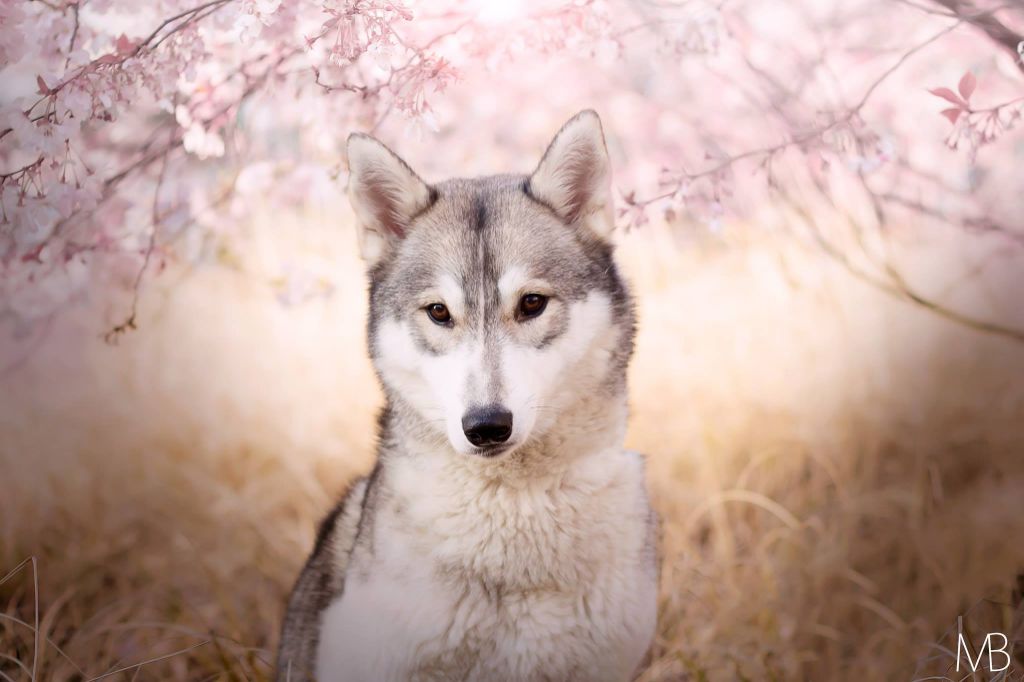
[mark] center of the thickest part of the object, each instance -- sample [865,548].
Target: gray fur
[320,582]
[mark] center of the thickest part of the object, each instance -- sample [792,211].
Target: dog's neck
[466,513]
[592,424]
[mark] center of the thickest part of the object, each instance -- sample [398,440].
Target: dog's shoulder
[320,582]
[337,530]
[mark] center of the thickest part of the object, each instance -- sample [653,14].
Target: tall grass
[839,475]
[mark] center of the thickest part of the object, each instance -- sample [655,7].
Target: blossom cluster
[130,132]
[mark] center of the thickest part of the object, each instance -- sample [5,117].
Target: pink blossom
[121,126]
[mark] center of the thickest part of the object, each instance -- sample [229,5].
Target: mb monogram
[998,657]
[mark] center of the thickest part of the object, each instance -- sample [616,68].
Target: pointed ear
[385,193]
[574,177]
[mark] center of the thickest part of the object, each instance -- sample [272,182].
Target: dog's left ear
[574,178]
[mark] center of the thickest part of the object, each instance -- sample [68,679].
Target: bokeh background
[819,209]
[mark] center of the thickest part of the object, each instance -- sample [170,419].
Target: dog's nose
[488,425]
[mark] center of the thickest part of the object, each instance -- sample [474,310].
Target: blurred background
[819,210]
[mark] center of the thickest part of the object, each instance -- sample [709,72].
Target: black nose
[488,425]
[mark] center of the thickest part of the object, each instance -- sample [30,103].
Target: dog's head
[495,304]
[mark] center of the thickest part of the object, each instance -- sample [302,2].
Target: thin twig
[35,586]
[74,35]
[799,140]
[148,661]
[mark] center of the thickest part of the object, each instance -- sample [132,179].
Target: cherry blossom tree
[130,132]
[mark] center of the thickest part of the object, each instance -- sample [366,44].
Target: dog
[504,533]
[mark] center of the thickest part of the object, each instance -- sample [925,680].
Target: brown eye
[438,312]
[532,305]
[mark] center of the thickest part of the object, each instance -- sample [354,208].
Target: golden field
[840,474]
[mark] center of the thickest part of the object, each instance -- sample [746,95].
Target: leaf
[952,114]
[967,84]
[43,88]
[949,96]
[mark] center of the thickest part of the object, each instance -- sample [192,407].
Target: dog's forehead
[484,229]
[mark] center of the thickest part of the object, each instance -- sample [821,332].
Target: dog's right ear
[385,193]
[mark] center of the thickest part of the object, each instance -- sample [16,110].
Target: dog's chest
[466,580]
[546,536]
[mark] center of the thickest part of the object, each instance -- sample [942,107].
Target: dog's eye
[438,312]
[532,305]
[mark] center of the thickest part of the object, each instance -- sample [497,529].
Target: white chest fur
[470,578]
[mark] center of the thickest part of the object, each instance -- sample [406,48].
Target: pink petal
[952,114]
[949,96]
[967,85]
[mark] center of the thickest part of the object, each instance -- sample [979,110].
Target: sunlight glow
[495,12]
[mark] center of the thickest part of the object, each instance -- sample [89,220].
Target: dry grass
[839,475]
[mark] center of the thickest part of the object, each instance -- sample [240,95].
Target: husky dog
[504,534]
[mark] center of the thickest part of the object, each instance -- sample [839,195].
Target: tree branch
[989,24]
